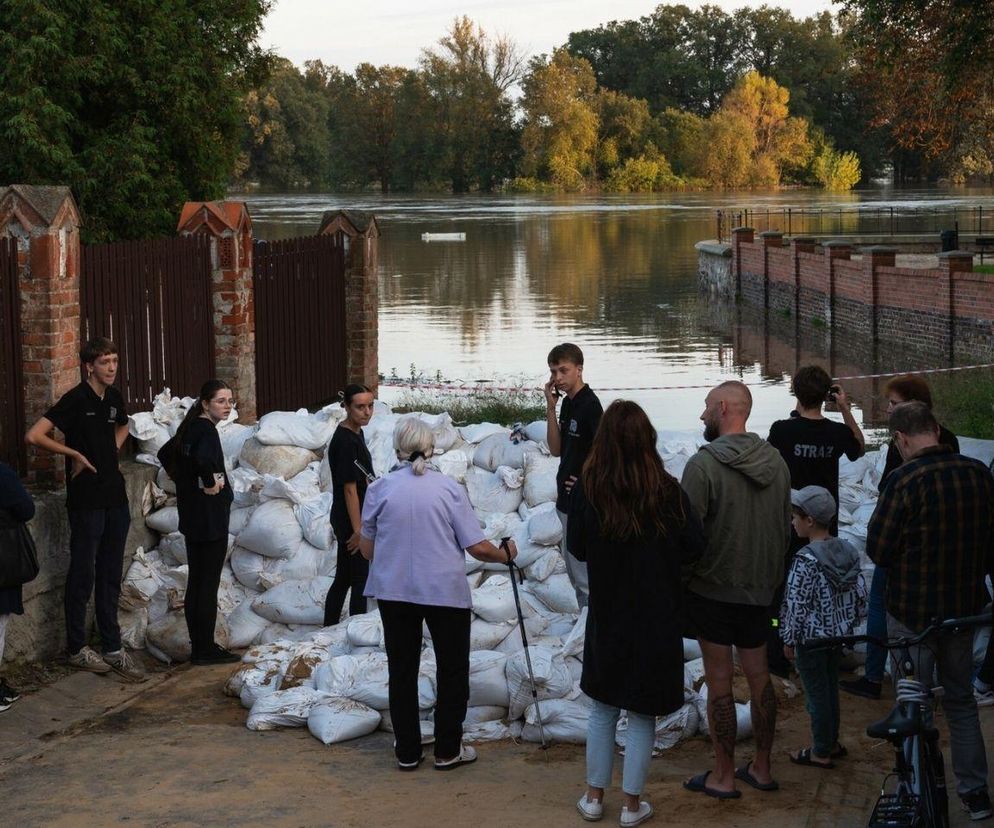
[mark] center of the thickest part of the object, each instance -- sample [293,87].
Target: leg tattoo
[764,717]
[721,716]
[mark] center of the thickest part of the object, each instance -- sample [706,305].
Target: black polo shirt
[89,424]
[578,421]
[345,448]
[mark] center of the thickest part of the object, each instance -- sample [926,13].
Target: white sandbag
[165,482]
[489,731]
[453,464]
[172,547]
[528,551]
[498,491]
[693,673]
[272,530]
[499,525]
[498,450]
[544,526]
[574,639]
[444,433]
[262,680]
[335,676]
[244,625]
[230,593]
[479,432]
[284,708]
[238,518]
[164,521]
[371,681]
[287,633]
[134,624]
[743,716]
[475,714]
[299,428]
[487,682]
[564,720]
[279,461]
[494,600]
[306,563]
[677,727]
[170,594]
[691,649]
[245,484]
[151,436]
[556,592]
[247,566]
[552,678]
[281,651]
[483,635]
[540,478]
[365,630]
[141,583]
[168,638]
[233,437]
[332,720]
[537,431]
[426,722]
[300,668]
[314,516]
[549,563]
[294,602]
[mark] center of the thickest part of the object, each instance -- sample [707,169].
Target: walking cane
[524,638]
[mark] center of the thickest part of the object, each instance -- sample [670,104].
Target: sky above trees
[394,32]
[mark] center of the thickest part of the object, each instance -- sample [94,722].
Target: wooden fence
[300,349]
[11,384]
[154,299]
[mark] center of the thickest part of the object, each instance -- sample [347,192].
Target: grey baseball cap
[816,502]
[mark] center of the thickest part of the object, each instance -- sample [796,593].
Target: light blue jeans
[600,748]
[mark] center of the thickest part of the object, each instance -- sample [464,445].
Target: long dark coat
[633,653]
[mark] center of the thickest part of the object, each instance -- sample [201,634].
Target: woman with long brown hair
[635,528]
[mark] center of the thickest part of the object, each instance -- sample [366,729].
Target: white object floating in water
[443,237]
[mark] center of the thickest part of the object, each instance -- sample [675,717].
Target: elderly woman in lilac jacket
[416,522]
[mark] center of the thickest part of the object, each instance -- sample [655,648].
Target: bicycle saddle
[904,720]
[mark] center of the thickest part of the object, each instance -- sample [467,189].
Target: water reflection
[617,275]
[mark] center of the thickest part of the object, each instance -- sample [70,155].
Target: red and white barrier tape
[484,386]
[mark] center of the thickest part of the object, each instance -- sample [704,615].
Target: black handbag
[18,554]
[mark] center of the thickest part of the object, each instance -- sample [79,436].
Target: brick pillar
[874,257]
[362,297]
[740,235]
[799,244]
[230,227]
[769,238]
[833,250]
[45,222]
[953,261]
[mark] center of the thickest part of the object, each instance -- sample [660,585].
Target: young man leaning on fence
[95,425]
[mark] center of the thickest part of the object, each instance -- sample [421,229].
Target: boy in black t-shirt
[95,425]
[569,437]
[811,446]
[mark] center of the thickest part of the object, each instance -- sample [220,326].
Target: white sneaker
[985,698]
[124,665]
[590,810]
[467,755]
[629,818]
[87,659]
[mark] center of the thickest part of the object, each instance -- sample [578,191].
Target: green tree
[836,170]
[559,138]
[137,106]
[683,141]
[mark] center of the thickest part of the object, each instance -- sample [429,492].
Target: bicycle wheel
[932,783]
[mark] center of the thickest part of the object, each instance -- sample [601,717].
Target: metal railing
[858,220]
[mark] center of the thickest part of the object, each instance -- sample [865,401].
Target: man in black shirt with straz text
[95,425]
[570,437]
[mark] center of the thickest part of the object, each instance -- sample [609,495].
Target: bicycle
[919,799]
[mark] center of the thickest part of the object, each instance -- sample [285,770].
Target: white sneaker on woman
[466,756]
[590,810]
[629,818]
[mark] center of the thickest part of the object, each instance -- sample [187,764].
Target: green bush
[836,170]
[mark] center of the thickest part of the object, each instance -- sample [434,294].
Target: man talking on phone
[569,437]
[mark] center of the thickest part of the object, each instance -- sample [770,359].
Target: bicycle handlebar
[937,625]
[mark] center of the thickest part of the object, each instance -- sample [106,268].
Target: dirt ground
[175,752]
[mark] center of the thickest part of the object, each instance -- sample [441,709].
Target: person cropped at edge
[95,425]
[905,388]
[347,446]
[15,504]
[933,529]
[203,498]
[635,528]
[740,487]
[812,446]
[416,524]
[570,437]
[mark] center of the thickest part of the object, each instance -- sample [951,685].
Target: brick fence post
[950,262]
[230,227]
[740,235]
[833,250]
[770,238]
[874,257]
[45,223]
[799,244]
[362,302]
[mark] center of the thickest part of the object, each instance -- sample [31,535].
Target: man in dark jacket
[740,487]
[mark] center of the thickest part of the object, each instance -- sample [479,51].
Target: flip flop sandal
[804,758]
[745,775]
[698,784]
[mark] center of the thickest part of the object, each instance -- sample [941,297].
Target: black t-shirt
[202,517]
[345,448]
[578,421]
[812,450]
[894,459]
[89,425]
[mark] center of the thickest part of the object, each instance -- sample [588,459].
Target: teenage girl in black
[203,497]
[349,489]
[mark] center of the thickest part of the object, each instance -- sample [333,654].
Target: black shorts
[718,622]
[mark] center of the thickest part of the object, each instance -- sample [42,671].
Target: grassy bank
[966,408]
[482,405]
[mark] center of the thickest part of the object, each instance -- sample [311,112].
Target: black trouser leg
[359,567]
[109,573]
[206,559]
[402,627]
[449,628]
[344,578]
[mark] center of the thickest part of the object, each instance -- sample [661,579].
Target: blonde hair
[413,436]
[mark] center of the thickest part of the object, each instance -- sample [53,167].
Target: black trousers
[96,563]
[206,560]
[449,628]
[351,571]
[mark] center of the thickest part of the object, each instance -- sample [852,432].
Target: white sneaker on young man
[88,659]
[124,665]
[467,755]
[629,818]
